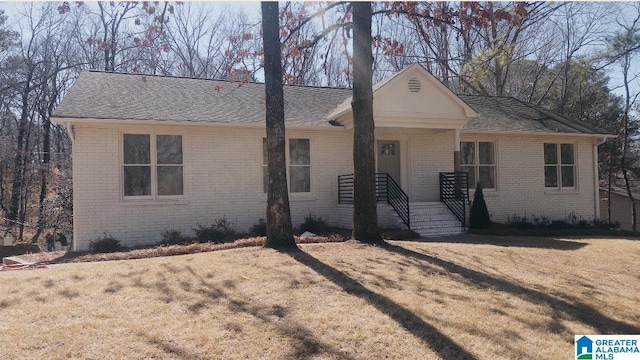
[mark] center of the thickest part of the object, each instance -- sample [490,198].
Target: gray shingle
[509,114]
[103,95]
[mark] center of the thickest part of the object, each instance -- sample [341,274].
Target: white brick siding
[223,178]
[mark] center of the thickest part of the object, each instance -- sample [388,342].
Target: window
[299,160]
[153,165]
[478,160]
[559,166]
[299,165]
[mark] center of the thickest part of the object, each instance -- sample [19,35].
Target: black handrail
[454,192]
[387,190]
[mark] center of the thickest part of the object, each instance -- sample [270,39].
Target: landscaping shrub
[313,224]
[400,234]
[173,237]
[479,217]
[259,229]
[219,232]
[105,244]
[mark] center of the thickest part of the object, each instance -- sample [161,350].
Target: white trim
[558,166]
[529,133]
[154,197]
[260,125]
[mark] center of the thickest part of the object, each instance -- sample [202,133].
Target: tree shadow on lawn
[305,345]
[442,344]
[509,241]
[566,307]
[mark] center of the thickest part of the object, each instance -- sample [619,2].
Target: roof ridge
[206,79]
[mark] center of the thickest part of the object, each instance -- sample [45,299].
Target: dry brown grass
[470,297]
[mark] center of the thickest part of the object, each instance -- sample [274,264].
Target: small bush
[173,237]
[219,232]
[400,234]
[479,217]
[313,224]
[259,229]
[105,244]
[604,224]
[520,223]
[560,225]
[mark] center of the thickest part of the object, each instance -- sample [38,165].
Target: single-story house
[154,153]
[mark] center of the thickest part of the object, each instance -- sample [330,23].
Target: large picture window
[478,160]
[559,166]
[153,165]
[299,163]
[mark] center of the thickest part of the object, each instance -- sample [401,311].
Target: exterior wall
[222,179]
[620,209]
[520,178]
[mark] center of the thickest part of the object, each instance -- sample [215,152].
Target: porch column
[456,151]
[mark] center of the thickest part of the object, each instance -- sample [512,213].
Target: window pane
[550,153]
[568,176]
[485,153]
[169,149]
[300,178]
[470,170]
[487,175]
[299,152]
[467,153]
[551,176]
[137,149]
[566,154]
[137,180]
[170,180]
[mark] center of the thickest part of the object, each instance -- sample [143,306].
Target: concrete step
[432,219]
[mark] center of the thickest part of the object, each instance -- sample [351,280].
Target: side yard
[472,296]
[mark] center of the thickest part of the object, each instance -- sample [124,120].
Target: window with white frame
[478,160]
[559,166]
[152,165]
[299,163]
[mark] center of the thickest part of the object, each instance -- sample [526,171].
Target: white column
[456,150]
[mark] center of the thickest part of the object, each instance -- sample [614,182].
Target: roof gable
[412,98]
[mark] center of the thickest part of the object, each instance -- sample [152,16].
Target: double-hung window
[299,165]
[152,165]
[559,166]
[478,160]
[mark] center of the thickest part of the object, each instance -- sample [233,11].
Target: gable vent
[414,85]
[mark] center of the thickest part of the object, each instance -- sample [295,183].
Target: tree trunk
[279,229]
[365,213]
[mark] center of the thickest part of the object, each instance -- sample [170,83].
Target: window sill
[153,202]
[572,191]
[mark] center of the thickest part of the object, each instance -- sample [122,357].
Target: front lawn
[469,297]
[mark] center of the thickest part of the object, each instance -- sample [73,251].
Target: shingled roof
[117,96]
[105,95]
[508,114]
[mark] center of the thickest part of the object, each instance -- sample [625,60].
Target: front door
[389,158]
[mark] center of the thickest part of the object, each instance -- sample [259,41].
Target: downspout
[596,178]
[456,151]
[71,133]
[72,136]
